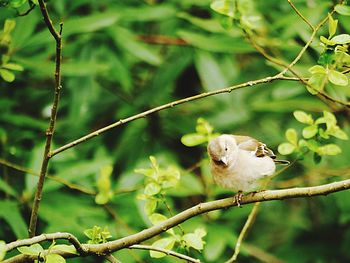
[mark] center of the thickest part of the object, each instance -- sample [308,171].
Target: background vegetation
[124,57]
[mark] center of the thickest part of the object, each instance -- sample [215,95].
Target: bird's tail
[283,162]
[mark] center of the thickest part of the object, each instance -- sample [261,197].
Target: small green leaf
[327,41]
[303,117]
[337,78]
[330,119]
[149,172]
[54,258]
[152,189]
[157,218]
[317,69]
[193,139]
[310,131]
[12,66]
[150,206]
[193,240]
[164,243]
[329,149]
[341,39]
[154,162]
[200,232]
[203,127]
[291,136]
[17,3]
[286,148]
[313,145]
[65,248]
[2,250]
[224,7]
[342,9]
[340,134]
[332,25]
[316,83]
[7,75]
[33,250]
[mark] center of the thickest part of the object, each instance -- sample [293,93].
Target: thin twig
[248,224]
[167,252]
[162,40]
[30,9]
[301,15]
[52,122]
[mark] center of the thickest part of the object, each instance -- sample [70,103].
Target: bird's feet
[238,198]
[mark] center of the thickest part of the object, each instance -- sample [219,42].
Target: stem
[51,128]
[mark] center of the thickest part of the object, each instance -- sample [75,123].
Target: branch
[112,259]
[125,242]
[50,130]
[301,15]
[163,107]
[244,231]
[166,251]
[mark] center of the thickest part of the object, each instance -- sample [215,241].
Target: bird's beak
[224,160]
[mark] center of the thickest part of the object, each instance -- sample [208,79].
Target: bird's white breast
[246,173]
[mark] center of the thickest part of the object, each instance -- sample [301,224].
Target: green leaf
[193,139]
[193,240]
[33,250]
[327,41]
[5,187]
[54,258]
[312,144]
[330,119]
[157,218]
[164,243]
[329,149]
[65,248]
[341,39]
[286,148]
[12,66]
[292,136]
[317,69]
[152,189]
[154,162]
[303,117]
[150,206]
[102,198]
[2,250]
[17,3]
[224,7]
[340,134]
[342,9]
[7,75]
[332,25]
[200,232]
[149,172]
[316,83]
[310,131]
[337,78]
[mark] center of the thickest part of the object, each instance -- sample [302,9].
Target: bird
[241,163]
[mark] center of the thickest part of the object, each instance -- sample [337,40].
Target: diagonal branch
[163,107]
[50,130]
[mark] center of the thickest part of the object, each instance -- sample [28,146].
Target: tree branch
[301,15]
[162,107]
[125,242]
[51,128]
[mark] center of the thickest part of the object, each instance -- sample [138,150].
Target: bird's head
[223,150]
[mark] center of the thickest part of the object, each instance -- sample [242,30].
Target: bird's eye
[226,149]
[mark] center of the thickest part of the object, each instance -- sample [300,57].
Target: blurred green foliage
[124,57]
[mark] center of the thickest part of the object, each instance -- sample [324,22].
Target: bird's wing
[252,145]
